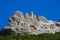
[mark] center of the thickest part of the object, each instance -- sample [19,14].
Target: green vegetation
[46,36]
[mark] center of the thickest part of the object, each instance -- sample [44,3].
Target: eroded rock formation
[31,24]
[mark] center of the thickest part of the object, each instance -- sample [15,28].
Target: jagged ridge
[31,24]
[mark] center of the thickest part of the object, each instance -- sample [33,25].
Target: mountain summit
[31,24]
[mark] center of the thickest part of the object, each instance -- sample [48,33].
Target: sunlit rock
[31,24]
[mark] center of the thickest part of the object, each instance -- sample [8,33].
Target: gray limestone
[31,24]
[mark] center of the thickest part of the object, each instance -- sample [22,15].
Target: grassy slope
[45,36]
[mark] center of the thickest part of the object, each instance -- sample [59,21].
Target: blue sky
[47,8]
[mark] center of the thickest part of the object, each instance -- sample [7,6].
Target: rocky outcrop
[31,24]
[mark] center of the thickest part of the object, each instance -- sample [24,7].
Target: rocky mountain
[31,24]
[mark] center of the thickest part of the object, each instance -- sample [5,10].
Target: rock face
[31,24]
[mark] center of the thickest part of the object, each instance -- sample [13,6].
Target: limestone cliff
[31,24]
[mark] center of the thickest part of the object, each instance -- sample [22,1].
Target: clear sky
[47,8]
